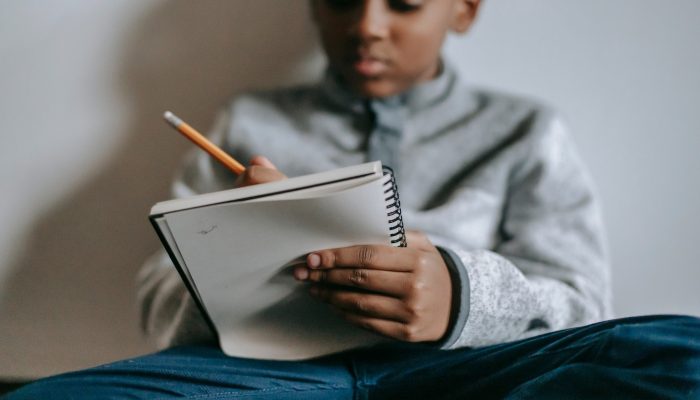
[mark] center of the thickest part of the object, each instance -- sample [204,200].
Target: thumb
[262,161]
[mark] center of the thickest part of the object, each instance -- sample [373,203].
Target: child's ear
[464,14]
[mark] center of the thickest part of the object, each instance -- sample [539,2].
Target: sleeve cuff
[460,298]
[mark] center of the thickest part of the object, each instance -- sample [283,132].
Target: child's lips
[369,66]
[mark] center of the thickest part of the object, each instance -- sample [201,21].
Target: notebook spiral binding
[397,232]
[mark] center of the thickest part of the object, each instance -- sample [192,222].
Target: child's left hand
[408,290]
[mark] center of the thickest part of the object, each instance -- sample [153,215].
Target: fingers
[379,314]
[392,283]
[262,161]
[363,304]
[375,256]
[261,170]
[365,256]
[403,293]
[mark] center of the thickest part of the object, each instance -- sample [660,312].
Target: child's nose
[373,20]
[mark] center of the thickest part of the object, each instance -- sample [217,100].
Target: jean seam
[256,392]
[361,391]
[552,352]
[604,343]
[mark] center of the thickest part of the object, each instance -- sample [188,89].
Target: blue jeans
[642,357]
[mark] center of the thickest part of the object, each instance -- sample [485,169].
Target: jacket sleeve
[169,315]
[550,269]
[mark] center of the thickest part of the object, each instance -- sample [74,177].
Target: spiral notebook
[235,252]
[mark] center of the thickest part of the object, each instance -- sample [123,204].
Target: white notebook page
[236,252]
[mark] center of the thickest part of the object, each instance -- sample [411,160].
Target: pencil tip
[172,119]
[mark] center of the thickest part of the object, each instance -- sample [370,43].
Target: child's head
[383,47]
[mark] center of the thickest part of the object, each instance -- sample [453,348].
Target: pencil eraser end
[172,118]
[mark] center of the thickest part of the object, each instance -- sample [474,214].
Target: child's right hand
[260,170]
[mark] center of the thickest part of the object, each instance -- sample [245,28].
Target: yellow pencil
[204,143]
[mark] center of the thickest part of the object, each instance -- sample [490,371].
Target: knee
[671,329]
[657,338]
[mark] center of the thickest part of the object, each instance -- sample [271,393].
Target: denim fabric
[641,357]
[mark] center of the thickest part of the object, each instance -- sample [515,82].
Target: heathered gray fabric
[493,178]
[383,143]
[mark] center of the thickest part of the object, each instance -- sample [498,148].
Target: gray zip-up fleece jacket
[492,179]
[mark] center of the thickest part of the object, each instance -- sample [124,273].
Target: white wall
[85,154]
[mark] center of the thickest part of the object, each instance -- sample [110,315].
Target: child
[505,264]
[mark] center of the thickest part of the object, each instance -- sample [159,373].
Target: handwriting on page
[206,231]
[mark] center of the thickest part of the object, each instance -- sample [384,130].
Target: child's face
[384,47]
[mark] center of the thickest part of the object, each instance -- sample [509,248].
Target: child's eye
[405,5]
[342,4]
[396,5]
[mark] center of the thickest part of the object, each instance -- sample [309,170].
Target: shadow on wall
[69,301]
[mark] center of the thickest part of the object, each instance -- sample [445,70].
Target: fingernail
[313,260]
[301,273]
